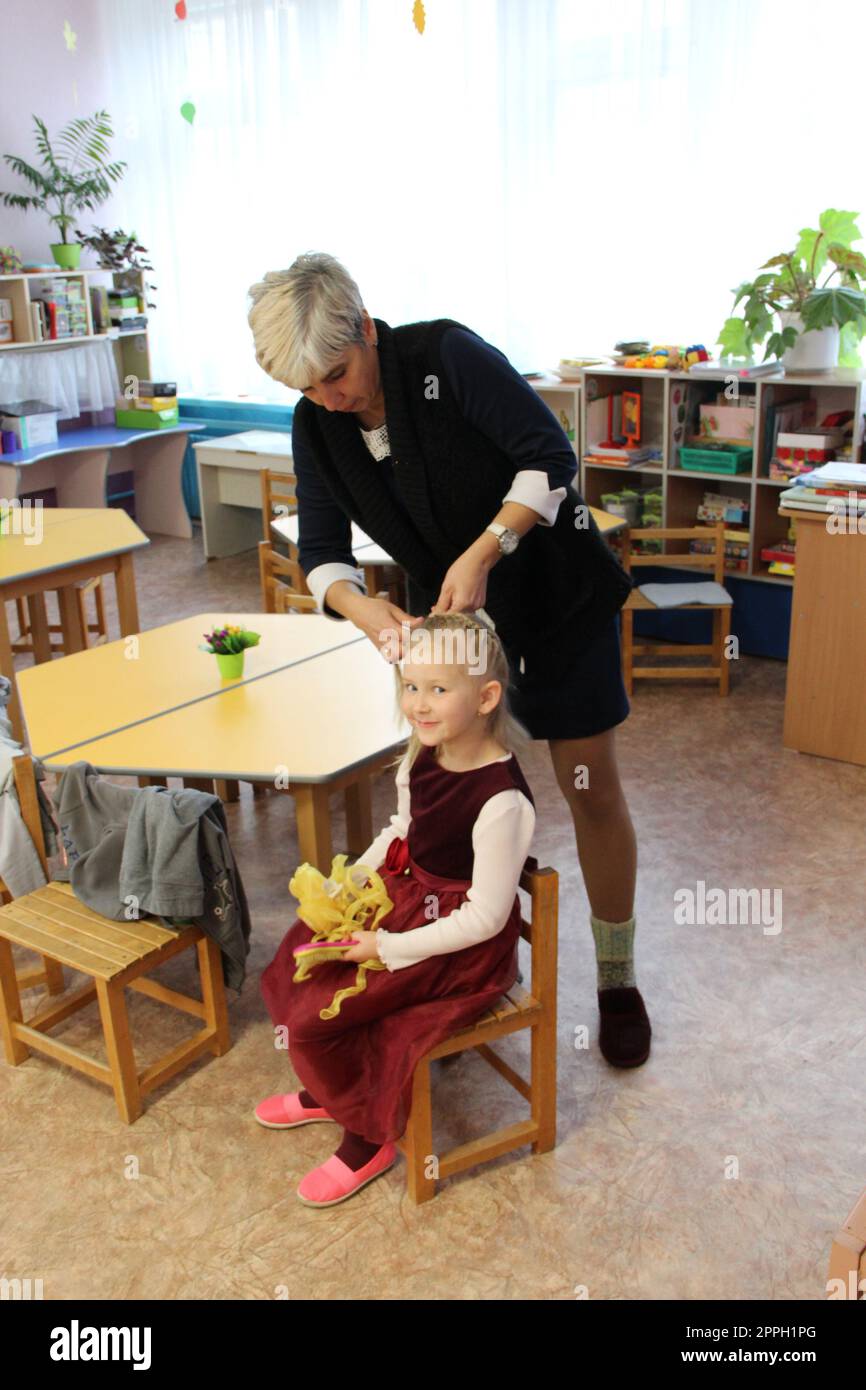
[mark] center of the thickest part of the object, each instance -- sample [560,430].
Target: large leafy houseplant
[789,284]
[76,173]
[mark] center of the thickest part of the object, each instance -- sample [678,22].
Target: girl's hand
[465,585]
[365,949]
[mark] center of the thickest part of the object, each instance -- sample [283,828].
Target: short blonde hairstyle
[502,726]
[304,318]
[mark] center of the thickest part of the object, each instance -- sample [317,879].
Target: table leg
[159,504]
[80,478]
[359,815]
[70,620]
[227,790]
[39,632]
[314,825]
[7,668]
[127,603]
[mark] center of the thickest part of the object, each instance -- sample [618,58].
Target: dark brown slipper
[624,1036]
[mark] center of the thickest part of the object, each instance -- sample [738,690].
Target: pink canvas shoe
[334,1181]
[286,1112]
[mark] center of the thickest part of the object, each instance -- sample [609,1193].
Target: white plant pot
[814,351]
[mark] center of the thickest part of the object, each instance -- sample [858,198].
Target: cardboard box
[32,422]
[728,424]
[800,446]
[146,419]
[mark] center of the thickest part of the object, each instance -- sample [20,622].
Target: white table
[380,570]
[230,487]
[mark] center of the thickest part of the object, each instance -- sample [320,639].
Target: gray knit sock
[614,953]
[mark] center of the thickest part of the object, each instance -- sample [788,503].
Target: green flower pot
[231,664]
[66,254]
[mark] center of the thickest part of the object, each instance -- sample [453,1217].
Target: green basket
[727,458]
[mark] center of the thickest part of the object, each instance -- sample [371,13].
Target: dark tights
[354,1150]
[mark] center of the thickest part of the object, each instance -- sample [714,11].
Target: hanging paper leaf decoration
[188,111]
[69,35]
[419,17]
[180,9]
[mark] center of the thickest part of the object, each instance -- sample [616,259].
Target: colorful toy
[696,353]
[351,899]
[10,261]
[667,357]
[631,418]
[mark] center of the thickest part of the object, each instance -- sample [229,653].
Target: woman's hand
[366,948]
[465,585]
[382,621]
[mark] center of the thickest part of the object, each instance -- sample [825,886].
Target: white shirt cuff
[531,488]
[322,577]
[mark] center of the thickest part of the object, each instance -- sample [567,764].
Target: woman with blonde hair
[427,438]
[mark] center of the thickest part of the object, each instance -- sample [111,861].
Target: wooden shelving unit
[667,400]
[131,347]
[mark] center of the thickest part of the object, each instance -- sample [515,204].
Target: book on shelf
[717,507]
[746,371]
[611,462]
[782,552]
[809,499]
[838,471]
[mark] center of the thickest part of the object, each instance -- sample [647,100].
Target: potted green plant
[228,645]
[122,252]
[819,325]
[73,177]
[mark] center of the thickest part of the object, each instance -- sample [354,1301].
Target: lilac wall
[38,77]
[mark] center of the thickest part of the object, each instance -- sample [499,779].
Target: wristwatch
[508,539]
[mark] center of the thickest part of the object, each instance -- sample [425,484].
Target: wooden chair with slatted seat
[33,624]
[116,956]
[50,972]
[848,1254]
[278,495]
[284,587]
[518,1009]
[720,666]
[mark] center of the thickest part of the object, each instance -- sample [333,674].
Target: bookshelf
[131,348]
[563,399]
[670,403]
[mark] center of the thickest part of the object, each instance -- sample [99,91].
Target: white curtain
[71,379]
[557,174]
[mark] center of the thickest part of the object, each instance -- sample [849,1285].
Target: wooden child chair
[115,956]
[518,1009]
[278,490]
[637,603]
[848,1253]
[34,629]
[284,588]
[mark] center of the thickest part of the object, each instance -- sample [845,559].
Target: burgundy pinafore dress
[359,1065]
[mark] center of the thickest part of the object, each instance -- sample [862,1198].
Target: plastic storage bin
[727,458]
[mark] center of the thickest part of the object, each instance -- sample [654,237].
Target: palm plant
[74,175]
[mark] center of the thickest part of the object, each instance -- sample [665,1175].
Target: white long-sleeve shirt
[501,837]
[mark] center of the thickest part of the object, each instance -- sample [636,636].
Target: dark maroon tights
[354,1151]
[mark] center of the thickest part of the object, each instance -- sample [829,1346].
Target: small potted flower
[228,645]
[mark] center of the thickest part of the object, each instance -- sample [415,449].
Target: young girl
[451,861]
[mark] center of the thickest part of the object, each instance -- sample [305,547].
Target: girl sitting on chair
[451,861]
